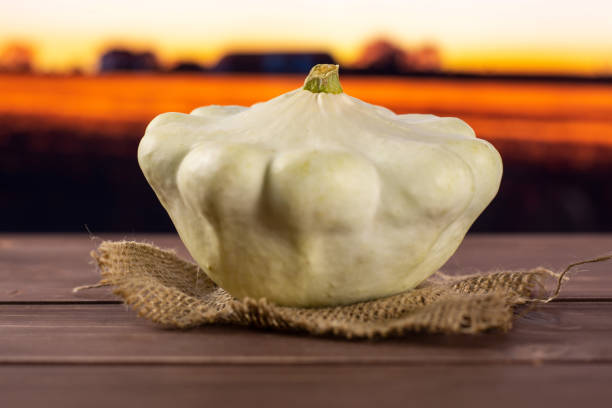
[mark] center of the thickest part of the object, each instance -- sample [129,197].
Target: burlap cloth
[176,293]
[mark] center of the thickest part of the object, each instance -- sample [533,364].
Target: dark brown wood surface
[268,385]
[101,334]
[86,349]
[45,268]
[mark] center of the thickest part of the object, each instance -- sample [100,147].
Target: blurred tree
[426,58]
[382,55]
[17,57]
[385,57]
[188,66]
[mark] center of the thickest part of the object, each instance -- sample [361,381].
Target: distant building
[119,59]
[288,62]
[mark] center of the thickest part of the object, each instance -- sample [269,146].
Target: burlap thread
[175,293]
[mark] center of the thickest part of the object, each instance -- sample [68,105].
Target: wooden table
[87,349]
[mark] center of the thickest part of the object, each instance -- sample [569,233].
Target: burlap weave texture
[176,293]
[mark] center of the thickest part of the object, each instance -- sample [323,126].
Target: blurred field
[564,114]
[71,142]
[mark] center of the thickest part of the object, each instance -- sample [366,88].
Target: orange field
[71,142]
[541,112]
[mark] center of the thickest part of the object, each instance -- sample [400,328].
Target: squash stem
[323,78]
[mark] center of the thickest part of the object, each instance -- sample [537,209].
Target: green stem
[323,78]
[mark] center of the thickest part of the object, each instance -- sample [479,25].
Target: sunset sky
[520,35]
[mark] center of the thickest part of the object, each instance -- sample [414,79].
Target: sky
[486,35]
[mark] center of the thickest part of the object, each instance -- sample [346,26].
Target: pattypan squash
[317,198]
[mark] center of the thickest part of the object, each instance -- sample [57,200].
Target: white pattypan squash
[317,198]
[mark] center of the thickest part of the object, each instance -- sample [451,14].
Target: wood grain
[80,352]
[576,332]
[47,267]
[308,386]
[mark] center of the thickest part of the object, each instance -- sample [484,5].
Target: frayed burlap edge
[175,293]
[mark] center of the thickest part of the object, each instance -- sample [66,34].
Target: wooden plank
[47,267]
[486,252]
[308,386]
[576,332]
